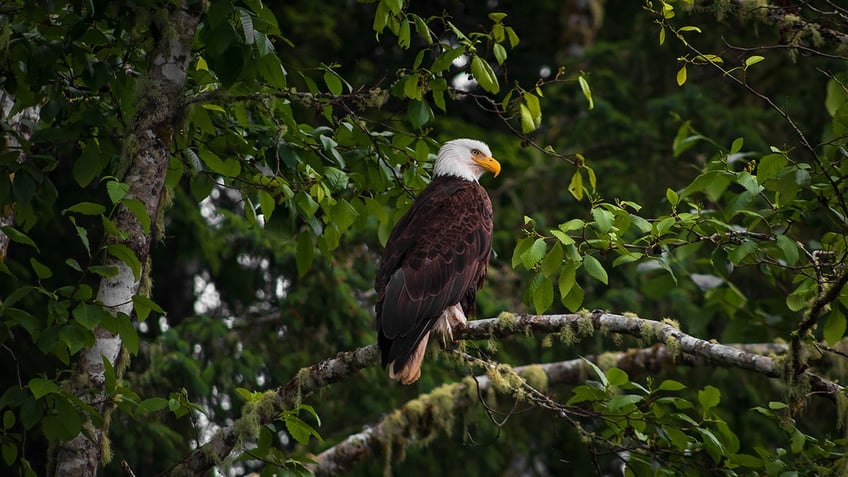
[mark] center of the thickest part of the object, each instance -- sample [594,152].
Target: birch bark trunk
[147,152]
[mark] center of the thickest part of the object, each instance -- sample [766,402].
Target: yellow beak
[489,163]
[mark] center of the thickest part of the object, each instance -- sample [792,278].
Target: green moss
[672,323]
[248,425]
[673,345]
[567,336]
[585,327]
[507,321]
[536,377]
[646,333]
[607,360]
[617,339]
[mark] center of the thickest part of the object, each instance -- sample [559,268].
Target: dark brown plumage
[435,258]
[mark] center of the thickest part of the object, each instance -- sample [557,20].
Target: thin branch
[345,364]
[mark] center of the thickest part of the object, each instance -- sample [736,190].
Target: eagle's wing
[436,257]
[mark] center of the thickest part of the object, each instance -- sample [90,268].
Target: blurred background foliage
[250,299]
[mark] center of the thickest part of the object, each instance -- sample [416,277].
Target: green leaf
[143,305]
[299,430]
[798,299]
[553,260]
[681,76]
[671,385]
[250,210]
[139,211]
[247,28]
[738,254]
[8,419]
[422,29]
[602,377]
[267,204]
[672,197]
[527,123]
[42,271]
[836,96]
[10,452]
[418,113]
[443,61]
[542,295]
[587,92]
[603,219]
[513,37]
[334,84]
[789,249]
[736,146]
[404,34]
[153,404]
[834,329]
[228,167]
[617,377]
[88,315]
[85,208]
[622,400]
[305,253]
[117,190]
[574,299]
[500,53]
[534,107]
[709,397]
[714,447]
[576,185]
[534,253]
[753,60]
[770,166]
[484,75]
[122,325]
[797,440]
[111,380]
[18,237]
[567,279]
[41,387]
[595,269]
[126,255]
[89,164]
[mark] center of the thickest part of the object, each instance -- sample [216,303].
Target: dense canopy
[194,197]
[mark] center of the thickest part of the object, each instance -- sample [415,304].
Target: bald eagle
[435,259]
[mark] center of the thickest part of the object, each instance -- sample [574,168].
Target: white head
[465,158]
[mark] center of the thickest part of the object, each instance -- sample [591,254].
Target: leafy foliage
[665,171]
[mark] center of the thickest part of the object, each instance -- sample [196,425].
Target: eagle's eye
[476,152]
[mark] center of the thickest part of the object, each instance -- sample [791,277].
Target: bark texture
[146,153]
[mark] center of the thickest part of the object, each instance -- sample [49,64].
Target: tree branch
[399,424]
[345,364]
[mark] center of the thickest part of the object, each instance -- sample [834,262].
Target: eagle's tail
[411,371]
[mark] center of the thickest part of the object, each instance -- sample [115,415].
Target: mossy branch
[679,345]
[396,428]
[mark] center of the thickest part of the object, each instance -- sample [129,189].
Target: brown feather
[436,257]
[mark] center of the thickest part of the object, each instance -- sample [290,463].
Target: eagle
[435,259]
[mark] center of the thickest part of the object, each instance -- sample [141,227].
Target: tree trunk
[21,123]
[147,152]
